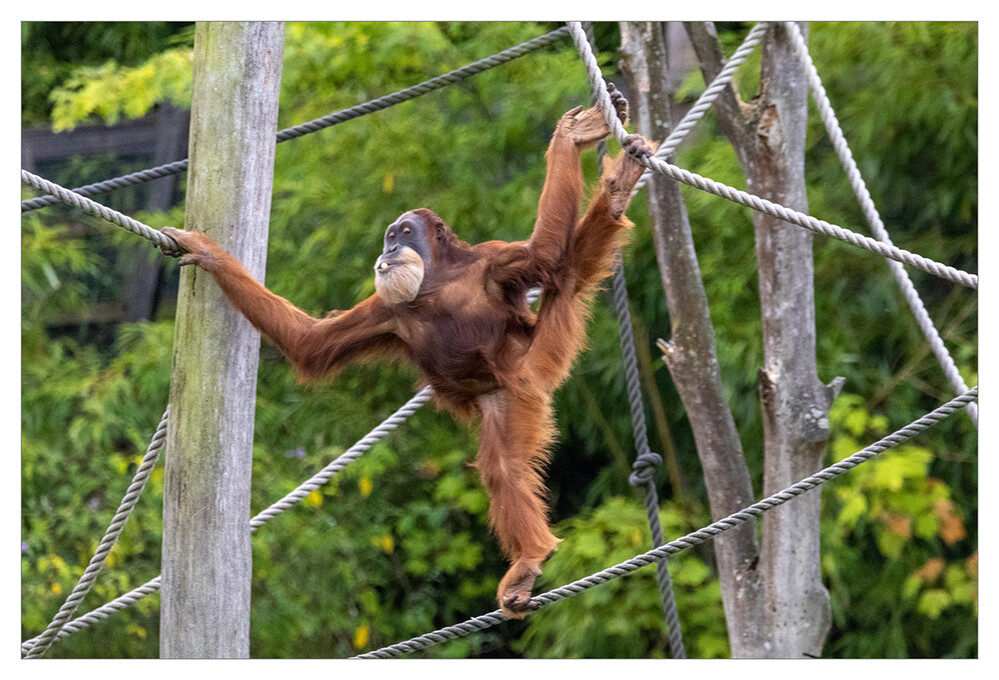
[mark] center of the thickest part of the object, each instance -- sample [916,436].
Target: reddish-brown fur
[472,334]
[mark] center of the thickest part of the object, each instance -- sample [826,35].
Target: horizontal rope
[330,120]
[755,202]
[159,239]
[690,540]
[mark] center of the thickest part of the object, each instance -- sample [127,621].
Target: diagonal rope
[344,459]
[378,104]
[128,502]
[706,99]
[695,538]
[874,219]
[658,554]
[347,457]
[436,83]
[646,460]
[159,239]
[755,202]
[132,179]
[101,613]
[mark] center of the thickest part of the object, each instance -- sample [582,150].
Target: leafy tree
[398,544]
[52,51]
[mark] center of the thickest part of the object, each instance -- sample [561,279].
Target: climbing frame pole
[205,603]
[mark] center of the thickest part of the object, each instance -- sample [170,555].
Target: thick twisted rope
[755,202]
[132,179]
[128,502]
[436,83]
[350,455]
[344,459]
[159,239]
[378,104]
[691,539]
[645,462]
[706,99]
[874,219]
[102,612]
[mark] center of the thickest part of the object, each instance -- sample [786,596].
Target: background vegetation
[397,545]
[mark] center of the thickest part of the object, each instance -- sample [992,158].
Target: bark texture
[769,139]
[691,354]
[205,605]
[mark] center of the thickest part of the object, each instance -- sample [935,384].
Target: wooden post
[205,602]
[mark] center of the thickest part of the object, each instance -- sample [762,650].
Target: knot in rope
[644,467]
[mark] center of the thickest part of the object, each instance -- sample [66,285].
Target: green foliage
[52,52]
[623,618]
[891,511]
[86,420]
[878,61]
[398,543]
[906,97]
[112,91]
[46,253]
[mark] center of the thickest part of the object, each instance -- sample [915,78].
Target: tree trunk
[795,403]
[769,138]
[691,355]
[205,608]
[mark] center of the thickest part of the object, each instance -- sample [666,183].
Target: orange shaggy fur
[471,333]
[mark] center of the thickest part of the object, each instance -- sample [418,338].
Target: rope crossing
[690,540]
[645,461]
[874,219]
[61,625]
[43,641]
[261,518]
[755,202]
[706,99]
[159,239]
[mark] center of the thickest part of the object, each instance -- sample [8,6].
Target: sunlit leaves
[111,91]
[398,543]
[911,518]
